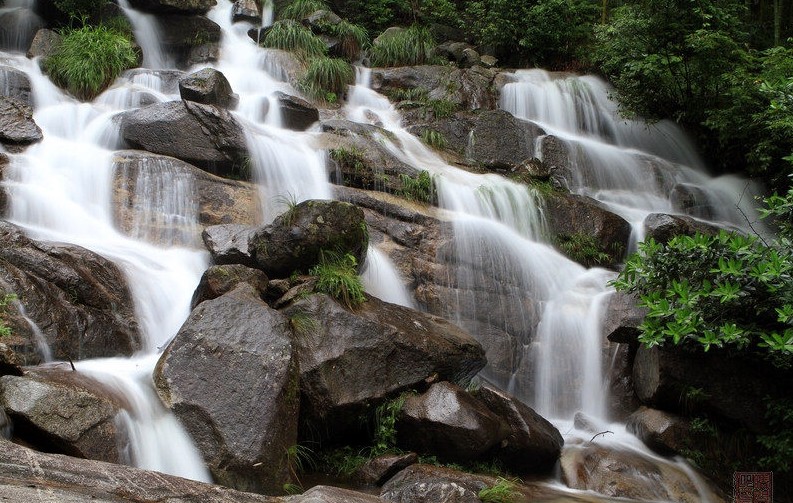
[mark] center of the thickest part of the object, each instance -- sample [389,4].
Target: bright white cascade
[499,243]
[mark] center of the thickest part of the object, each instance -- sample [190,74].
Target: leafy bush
[89,59]
[301,9]
[726,290]
[5,330]
[376,15]
[583,248]
[327,76]
[289,35]
[418,188]
[337,276]
[502,492]
[411,46]
[385,434]
[557,32]
[79,9]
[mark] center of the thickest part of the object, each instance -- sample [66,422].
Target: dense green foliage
[419,188]
[326,78]
[79,9]
[352,37]
[300,9]
[337,276]
[88,59]
[503,491]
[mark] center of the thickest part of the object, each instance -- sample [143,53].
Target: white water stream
[61,190]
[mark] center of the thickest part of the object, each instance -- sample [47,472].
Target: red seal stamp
[753,487]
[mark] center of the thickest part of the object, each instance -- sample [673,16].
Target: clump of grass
[337,276]
[5,330]
[345,461]
[301,9]
[442,108]
[503,492]
[303,323]
[289,35]
[352,37]
[411,46]
[408,94]
[351,158]
[88,59]
[327,76]
[583,248]
[433,138]
[417,188]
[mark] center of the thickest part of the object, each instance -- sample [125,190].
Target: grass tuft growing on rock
[337,276]
[503,492]
[5,330]
[301,9]
[352,37]
[418,188]
[89,59]
[411,46]
[289,35]
[327,78]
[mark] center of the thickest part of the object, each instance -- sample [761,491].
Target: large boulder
[297,114]
[174,6]
[17,127]
[230,375]
[350,361]
[573,218]
[44,44]
[464,88]
[623,318]
[665,433]
[296,239]
[27,475]
[377,471]
[329,494]
[229,244]
[448,422]
[208,86]
[191,40]
[76,302]
[203,135]
[15,84]
[60,411]
[663,227]
[628,474]
[219,200]
[218,280]
[531,443]
[434,484]
[501,141]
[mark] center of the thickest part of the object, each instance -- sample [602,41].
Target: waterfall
[147,35]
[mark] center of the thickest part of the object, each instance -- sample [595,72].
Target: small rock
[245,10]
[208,86]
[378,470]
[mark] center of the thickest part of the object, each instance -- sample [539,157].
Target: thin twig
[599,434]
[72,364]
[738,207]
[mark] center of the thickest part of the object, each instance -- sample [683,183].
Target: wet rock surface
[208,86]
[17,127]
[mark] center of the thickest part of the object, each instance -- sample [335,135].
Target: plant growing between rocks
[433,138]
[419,188]
[502,492]
[583,248]
[327,78]
[411,46]
[337,276]
[5,330]
[88,59]
[300,9]
[289,35]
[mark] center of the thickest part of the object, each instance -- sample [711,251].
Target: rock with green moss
[296,239]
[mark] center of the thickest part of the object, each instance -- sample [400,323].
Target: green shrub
[5,330]
[79,9]
[726,290]
[327,77]
[418,188]
[337,276]
[290,35]
[352,37]
[433,138]
[301,9]
[502,492]
[89,59]
[411,46]
[442,108]
[385,434]
[351,158]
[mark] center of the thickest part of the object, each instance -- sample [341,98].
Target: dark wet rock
[246,10]
[243,432]
[60,412]
[203,135]
[174,6]
[10,362]
[190,40]
[627,474]
[229,244]
[15,84]
[572,217]
[329,494]
[623,318]
[27,475]
[663,227]
[448,422]
[208,86]
[377,471]
[218,280]
[44,44]
[219,200]
[17,127]
[78,299]
[465,88]
[296,114]
[464,55]
[622,396]
[530,444]
[500,141]
[296,239]
[665,433]
[383,348]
